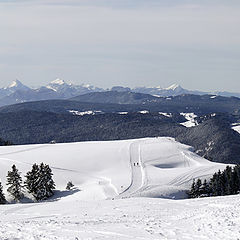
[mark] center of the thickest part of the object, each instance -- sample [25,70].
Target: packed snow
[110,180]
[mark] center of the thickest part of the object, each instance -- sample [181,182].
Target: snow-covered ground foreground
[132,218]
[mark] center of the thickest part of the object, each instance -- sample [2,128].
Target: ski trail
[25,150]
[190,175]
[138,173]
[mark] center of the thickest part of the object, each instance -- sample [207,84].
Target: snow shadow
[58,194]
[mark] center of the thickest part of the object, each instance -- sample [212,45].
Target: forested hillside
[213,138]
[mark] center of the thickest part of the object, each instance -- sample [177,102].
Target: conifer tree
[222,183]
[205,191]
[14,181]
[198,188]
[2,197]
[31,181]
[45,183]
[192,193]
[236,180]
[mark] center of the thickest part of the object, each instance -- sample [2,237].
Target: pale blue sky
[118,42]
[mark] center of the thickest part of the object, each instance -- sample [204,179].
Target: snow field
[133,218]
[150,167]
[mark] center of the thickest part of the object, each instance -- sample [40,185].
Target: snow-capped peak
[58,81]
[15,83]
[173,87]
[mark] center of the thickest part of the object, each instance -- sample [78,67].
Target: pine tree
[198,188]
[2,197]
[31,181]
[205,191]
[192,193]
[236,180]
[14,181]
[45,183]
[222,183]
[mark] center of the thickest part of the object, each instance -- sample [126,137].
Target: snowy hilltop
[151,167]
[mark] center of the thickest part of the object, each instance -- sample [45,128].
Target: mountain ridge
[17,92]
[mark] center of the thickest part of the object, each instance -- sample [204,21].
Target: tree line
[38,182]
[226,182]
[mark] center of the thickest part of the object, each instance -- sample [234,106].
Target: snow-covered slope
[68,90]
[214,218]
[142,167]
[152,167]
[172,90]
[15,86]
[190,117]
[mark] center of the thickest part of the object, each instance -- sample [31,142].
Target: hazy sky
[195,43]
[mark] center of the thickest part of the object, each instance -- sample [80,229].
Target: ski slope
[150,167]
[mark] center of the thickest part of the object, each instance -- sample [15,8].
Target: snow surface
[107,178]
[89,112]
[173,87]
[165,114]
[236,127]
[159,167]
[213,97]
[123,113]
[58,81]
[134,218]
[143,112]
[190,117]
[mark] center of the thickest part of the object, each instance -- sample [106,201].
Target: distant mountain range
[114,102]
[17,92]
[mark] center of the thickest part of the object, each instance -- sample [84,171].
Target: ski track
[189,175]
[139,180]
[136,168]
